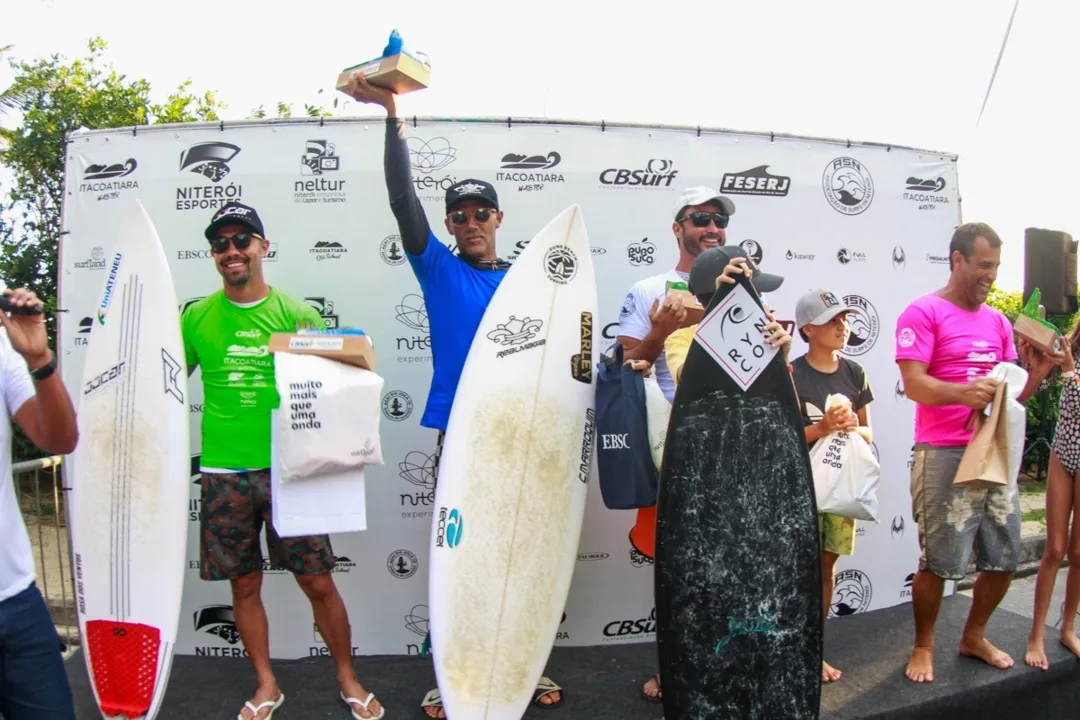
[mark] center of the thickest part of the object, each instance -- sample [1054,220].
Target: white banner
[870,223]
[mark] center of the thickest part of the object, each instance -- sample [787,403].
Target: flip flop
[432,699]
[272,704]
[544,687]
[364,704]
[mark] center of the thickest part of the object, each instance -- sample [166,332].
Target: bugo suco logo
[864,324]
[427,158]
[532,181]
[317,160]
[617,630]
[847,186]
[449,529]
[560,264]
[412,313]
[657,173]
[392,251]
[642,252]
[105,179]
[852,593]
[211,160]
[397,405]
[925,192]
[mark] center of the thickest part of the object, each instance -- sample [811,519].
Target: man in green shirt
[227,335]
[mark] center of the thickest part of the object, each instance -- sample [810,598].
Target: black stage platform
[604,683]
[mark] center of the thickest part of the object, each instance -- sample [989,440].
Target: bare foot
[920,666]
[550,698]
[982,649]
[1069,640]
[435,712]
[1036,654]
[356,694]
[829,673]
[270,693]
[652,688]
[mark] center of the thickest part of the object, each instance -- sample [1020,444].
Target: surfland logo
[211,160]
[96,261]
[106,179]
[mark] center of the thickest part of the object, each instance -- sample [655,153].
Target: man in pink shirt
[946,344]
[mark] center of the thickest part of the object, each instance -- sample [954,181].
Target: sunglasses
[702,218]
[240,241]
[482,215]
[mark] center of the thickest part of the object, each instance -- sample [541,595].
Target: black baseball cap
[471,189]
[234,213]
[710,264]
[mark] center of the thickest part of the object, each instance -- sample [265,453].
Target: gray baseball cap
[711,263]
[818,307]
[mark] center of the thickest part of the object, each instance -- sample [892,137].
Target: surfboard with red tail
[129,478]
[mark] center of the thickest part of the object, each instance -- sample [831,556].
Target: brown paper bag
[986,460]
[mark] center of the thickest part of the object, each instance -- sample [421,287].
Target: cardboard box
[353,350]
[400,73]
[694,310]
[1042,335]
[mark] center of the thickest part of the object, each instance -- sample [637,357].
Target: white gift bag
[657,415]
[846,473]
[328,420]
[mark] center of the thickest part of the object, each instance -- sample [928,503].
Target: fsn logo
[449,530]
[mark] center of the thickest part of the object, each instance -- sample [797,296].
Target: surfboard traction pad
[123,662]
[738,558]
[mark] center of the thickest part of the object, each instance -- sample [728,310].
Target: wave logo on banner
[848,186]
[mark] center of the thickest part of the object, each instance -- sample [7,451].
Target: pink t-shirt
[957,346]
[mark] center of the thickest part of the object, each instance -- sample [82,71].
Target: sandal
[432,699]
[364,704]
[546,687]
[272,704]
[659,697]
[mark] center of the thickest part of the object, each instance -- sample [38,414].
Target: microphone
[7,305]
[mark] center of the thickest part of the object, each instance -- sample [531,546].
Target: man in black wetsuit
[457,289]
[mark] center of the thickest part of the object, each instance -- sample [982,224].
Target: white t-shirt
[634,319]
[16,558]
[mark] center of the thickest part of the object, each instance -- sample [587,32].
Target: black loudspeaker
[1050,266]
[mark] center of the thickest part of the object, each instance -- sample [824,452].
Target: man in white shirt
[33,682]
[648,316]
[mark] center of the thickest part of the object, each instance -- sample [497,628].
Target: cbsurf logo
[448,532]
[631,629]
[657,173]
[110,285]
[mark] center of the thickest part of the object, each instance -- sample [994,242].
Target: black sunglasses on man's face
[240,241]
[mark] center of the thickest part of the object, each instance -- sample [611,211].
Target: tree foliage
[49,98]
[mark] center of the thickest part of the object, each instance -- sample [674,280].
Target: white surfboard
[513,477]
[129,489]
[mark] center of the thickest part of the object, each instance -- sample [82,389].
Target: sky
[905,72]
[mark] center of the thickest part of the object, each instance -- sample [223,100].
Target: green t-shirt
[231,344]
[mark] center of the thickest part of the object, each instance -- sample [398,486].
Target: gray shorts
[951,516]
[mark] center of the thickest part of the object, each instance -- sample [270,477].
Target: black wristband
[45,371]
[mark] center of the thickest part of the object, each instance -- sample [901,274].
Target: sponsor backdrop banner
[872,224]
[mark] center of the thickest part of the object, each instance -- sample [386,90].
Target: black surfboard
[738,559]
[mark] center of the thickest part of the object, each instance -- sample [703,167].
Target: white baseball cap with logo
[818,307]
[701,195]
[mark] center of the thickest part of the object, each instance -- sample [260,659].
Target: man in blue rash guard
[457,288]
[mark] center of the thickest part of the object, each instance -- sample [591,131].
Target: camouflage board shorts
[235,506]
[951,516]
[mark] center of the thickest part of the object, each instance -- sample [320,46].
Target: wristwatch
[44,371]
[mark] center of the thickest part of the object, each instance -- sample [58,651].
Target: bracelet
[1071,373]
